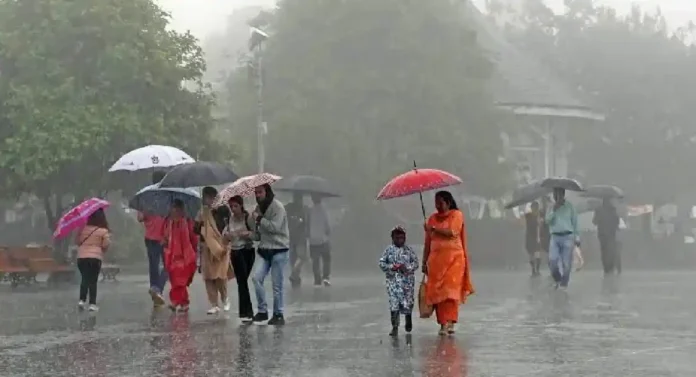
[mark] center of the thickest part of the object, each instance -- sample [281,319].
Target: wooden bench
[14,272]
[39,260]
[109,271]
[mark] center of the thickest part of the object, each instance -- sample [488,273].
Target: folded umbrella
[77,217]
[603,191]
[244,187]
[307,184]
[563,183]
[156,200]
[151,157]
[197,174]
[417,181]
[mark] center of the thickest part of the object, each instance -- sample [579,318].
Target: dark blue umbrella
[156,200]
[197,174]
[527,193]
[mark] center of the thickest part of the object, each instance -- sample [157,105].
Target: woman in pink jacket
[92,241]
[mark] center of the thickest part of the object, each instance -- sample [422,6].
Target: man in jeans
[319,242]
[274,240]
[298,224]
[154,234]
[563,226]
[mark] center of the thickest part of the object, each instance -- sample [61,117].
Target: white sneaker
[214,310]
[226,305]
[81,305]
[327,282]
[93,308]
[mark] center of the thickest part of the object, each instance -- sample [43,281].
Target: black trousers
[89,269]
[321,261]
[608,249]
[243,263]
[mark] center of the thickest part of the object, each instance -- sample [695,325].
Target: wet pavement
[641,324]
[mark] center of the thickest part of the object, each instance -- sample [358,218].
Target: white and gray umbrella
[151,157]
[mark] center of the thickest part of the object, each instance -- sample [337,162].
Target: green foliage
[357,90]
[84,81]
[639,74]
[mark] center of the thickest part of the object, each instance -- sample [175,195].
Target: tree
[357,90]
[639,74]
[84,81]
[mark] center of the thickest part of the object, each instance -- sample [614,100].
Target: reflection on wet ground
[640,324]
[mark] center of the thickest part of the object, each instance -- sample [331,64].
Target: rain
[347,188]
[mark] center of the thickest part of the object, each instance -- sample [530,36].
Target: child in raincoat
[180,243]
[399,262]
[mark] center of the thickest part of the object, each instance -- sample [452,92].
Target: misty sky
[205,16]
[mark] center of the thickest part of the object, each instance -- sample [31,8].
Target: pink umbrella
[244,187]
[77,217]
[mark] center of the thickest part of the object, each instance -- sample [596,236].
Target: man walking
[607,220]
[532,243]
[319,242]
[563,226]
[154,236]
[298,224]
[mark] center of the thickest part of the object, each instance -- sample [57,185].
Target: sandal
[443,330]
[450,328]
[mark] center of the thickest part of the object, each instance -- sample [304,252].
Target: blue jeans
[561,257]
[158,275]
[275,266]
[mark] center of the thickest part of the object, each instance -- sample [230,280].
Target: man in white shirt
[319,242]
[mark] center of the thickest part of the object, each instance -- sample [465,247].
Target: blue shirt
[563,220]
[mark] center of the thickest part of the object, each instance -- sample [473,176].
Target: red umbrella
[417,181]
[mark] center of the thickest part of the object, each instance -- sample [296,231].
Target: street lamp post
[256,40]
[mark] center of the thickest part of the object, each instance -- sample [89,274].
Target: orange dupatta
[448,263]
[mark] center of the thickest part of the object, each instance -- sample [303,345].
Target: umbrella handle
[420,194]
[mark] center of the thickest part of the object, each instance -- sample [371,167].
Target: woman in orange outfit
[445,262]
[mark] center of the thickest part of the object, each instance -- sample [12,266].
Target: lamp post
[256,40]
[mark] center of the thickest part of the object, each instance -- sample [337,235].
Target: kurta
[215,264]
[400,285]
[180,258]
[448,264]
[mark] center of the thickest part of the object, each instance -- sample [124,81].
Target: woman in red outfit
[180,244]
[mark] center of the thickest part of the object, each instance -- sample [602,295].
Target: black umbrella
[528,193]
[199,174]
[306,184]
[562,182]
[603,191]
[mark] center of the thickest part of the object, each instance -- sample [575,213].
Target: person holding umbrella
[563,226]
[154,233]
[274,241]
[319,242]
[607,220]
[92,242]
[298,224]
[238,234]
[180,244]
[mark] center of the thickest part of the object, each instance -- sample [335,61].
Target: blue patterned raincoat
[400,285]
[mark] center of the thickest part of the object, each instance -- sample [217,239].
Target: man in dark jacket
[298,224]
[607,220]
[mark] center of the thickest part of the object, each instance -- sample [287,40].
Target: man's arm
[273,223]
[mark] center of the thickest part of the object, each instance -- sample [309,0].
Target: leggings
[89,269]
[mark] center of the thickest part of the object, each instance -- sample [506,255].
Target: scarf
[211,234]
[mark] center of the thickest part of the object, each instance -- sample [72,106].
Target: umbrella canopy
[201,173]
[151,157]
[417,181]
[156,200]
[77,216]
[562,182]
[528,193]
[307,184]
[244,187]
[603,191]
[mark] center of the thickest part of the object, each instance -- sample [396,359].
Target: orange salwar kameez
[448,284]
[180,259]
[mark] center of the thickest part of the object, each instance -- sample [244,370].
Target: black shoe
[409,323]
[260,317]
[277,320]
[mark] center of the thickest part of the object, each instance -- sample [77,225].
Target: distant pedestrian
[607,220]
[563,225]
[399,262]
[298,225]
[239,233]
[320,242]
[180,244]
[92,242]
[274,241]
[154,232]
[214,256]
[532,238]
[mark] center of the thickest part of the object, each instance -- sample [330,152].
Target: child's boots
[395,324]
